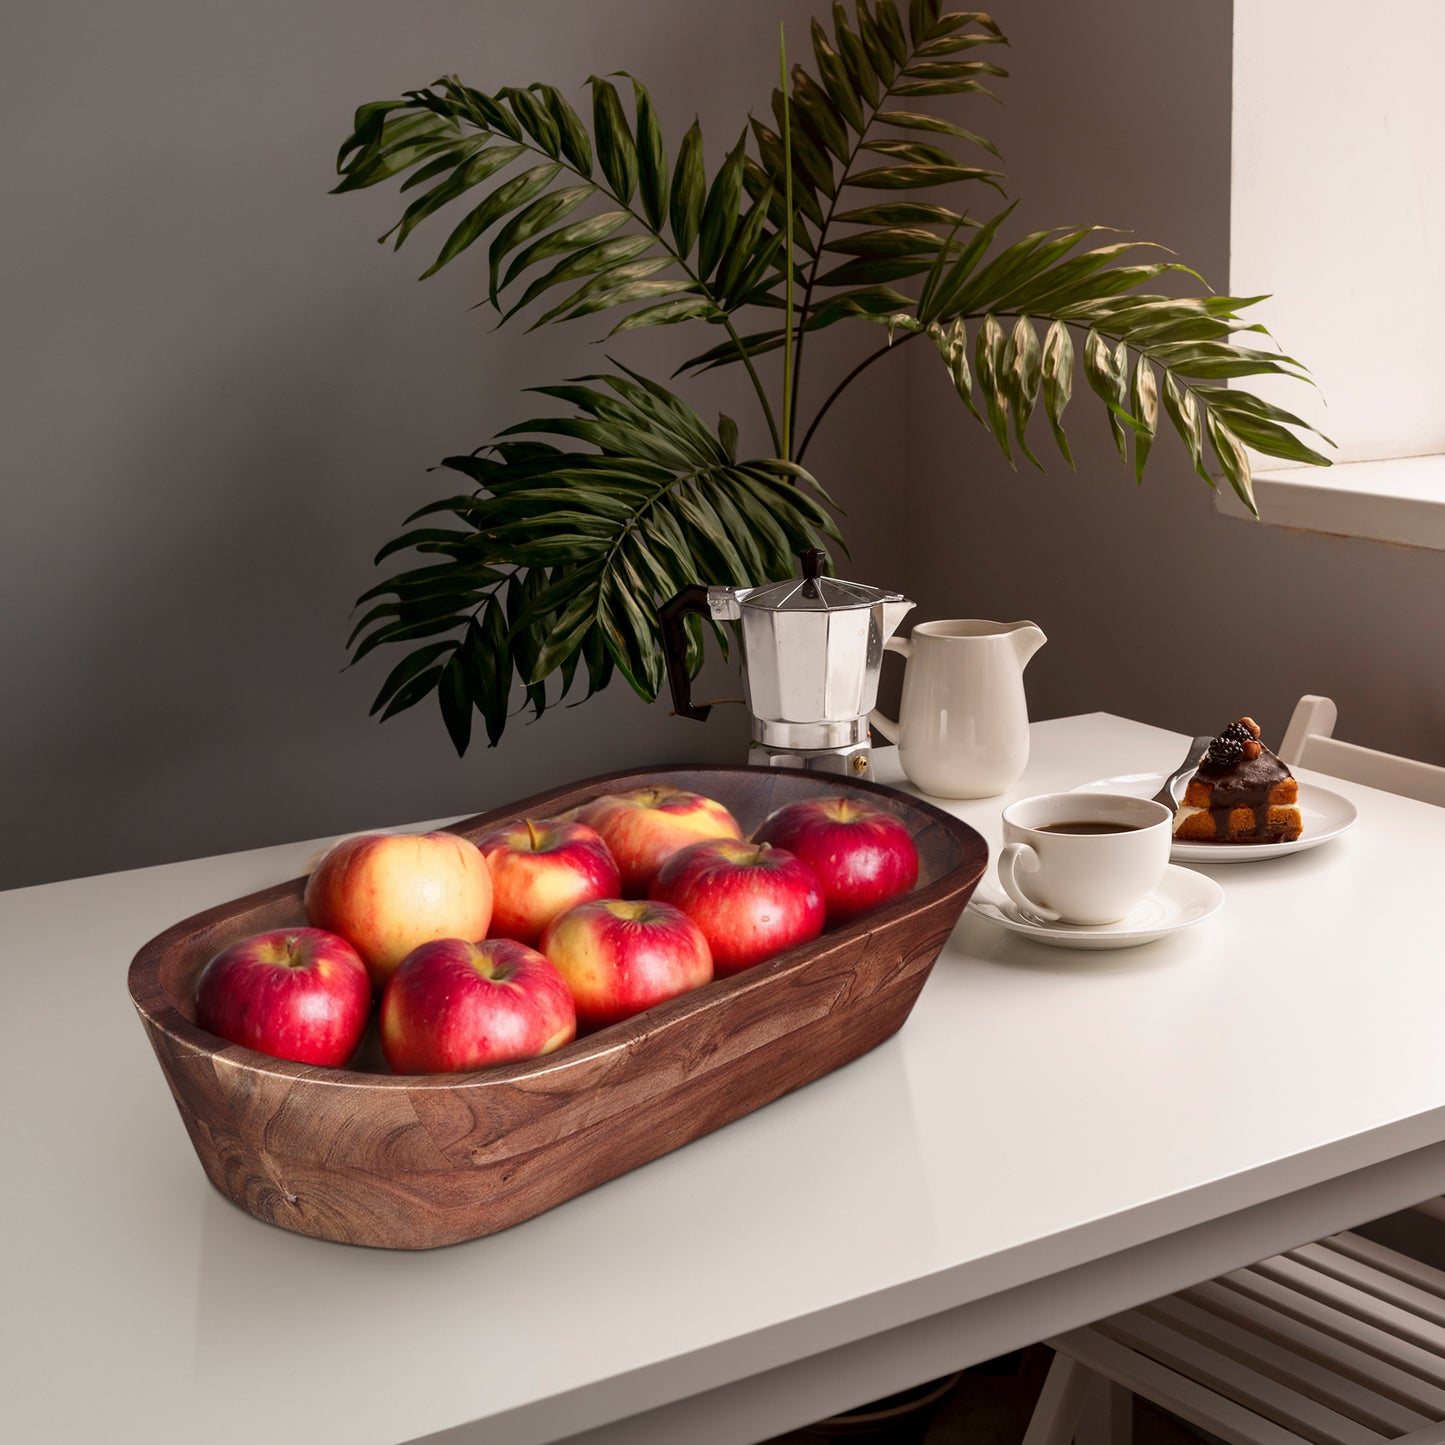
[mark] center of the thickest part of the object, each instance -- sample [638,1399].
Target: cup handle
[1016,858]
[880,720]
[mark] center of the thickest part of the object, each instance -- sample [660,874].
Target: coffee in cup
[1083,857]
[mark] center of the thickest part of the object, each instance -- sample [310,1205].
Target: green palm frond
[526,162]
[580,524]
[556,564]
[1044,281]
[854,135]
[657,238]
[857,113]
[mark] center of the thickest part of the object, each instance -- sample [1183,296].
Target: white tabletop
[1040,1113]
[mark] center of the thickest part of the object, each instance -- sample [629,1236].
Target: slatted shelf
[1341,1342]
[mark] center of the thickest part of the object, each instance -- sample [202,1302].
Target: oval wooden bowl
[362,1156]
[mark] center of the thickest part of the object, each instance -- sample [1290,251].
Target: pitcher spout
[893,615]
[1027,638]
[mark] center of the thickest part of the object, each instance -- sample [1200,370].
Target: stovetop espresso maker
[812,650]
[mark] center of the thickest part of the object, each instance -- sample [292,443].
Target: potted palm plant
[857,201]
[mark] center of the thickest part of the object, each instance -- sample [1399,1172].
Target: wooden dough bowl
[362,1156]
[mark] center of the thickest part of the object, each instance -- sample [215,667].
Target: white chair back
[1309,743]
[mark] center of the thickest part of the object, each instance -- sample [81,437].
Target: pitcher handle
[886,725]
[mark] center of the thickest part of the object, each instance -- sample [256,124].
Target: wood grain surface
[362,1156]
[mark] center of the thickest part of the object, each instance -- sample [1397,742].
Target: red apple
[862,854]
[293,993]
[620,956]
[385,893]
[643,828]
[750,900]
[541,869]
[455,1005]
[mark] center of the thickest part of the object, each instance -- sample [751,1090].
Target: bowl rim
[156,1007]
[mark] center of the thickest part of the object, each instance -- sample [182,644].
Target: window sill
[1399,500]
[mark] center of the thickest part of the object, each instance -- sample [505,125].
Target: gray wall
[218,396]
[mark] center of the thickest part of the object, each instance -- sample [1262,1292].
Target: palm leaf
[546,575]
[564,553]
[842,115]
[1131,342]
[525,162]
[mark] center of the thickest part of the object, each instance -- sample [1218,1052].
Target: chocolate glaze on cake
[1245,784]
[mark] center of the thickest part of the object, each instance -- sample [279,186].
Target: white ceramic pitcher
[963,722]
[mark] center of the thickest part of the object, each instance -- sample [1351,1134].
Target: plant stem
[817,259]
[843,386]
[757,387]
[787,249]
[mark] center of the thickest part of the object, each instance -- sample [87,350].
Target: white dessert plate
[1323,814]
[1183,899]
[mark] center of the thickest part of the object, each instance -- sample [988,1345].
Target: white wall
[1339,210]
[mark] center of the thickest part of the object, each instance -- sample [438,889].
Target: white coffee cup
[1058,865]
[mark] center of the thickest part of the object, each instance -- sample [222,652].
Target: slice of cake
[1240,793]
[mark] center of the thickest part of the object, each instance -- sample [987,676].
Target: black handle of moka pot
[812,561]
[674,614]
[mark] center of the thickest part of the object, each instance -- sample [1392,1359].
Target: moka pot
[812,650]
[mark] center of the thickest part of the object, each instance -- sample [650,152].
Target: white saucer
[1183,899]
[1324,814]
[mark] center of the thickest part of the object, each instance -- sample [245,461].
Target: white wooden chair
[1341,1342]
[1309,742]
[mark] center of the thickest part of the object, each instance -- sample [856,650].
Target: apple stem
[532,836]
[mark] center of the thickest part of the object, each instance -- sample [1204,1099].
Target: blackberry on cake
[1240,793]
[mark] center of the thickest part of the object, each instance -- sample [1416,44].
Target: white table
[1051,1136]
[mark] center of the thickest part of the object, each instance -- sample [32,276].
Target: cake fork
[1196,751]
